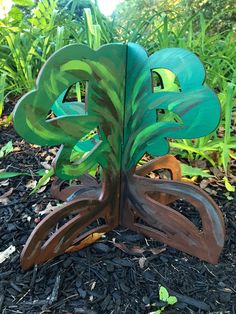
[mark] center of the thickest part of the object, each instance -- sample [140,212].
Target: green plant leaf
[45,177]
[3,86]
[172,300]
[6,175]
[194,171]
[6,149]
[228,186]
[16,14]
[200,152]
[163,294]
[224,156]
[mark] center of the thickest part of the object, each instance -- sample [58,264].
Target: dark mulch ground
[102,278]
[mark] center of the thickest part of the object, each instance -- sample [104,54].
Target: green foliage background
[32,31]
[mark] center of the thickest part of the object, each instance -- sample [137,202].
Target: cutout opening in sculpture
[189,211]
[164,80]
[157,82]
[72,101]
[77,92]
[168,115]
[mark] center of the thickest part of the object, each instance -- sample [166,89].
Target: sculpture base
[135,201]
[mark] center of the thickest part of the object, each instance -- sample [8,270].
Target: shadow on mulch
[102,278]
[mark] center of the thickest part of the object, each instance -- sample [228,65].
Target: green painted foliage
[122,105]
[192,103]
[63,69]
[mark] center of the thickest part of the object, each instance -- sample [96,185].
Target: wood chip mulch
[121,273]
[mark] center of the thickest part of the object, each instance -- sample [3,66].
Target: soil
[121,273]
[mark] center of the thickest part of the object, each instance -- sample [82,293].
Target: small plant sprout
[165,297]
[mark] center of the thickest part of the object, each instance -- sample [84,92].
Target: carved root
[72,192]
[36,251]
[94,203]
[168,162]
[143,208]
[169,226]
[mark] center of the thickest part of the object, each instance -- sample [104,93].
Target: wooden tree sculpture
[133,104]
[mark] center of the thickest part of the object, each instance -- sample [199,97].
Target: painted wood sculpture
[124,107]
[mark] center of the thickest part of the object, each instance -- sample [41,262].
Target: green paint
[122,106]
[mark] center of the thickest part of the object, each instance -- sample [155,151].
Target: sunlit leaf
[194,171]
[48,174]
[16,14]
[24,3]
[172,300]
[163,294]
[228,186]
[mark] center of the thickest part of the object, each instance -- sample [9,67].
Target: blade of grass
[6,175]
[2,91]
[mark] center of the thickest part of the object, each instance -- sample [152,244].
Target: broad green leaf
[163,294]
[194,171]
